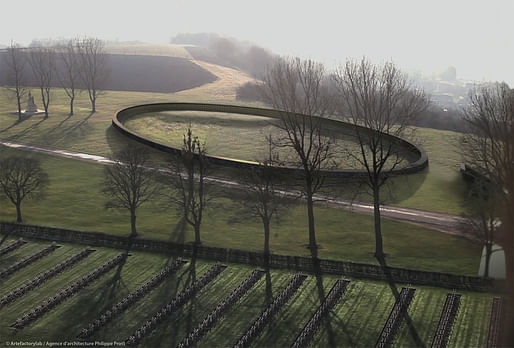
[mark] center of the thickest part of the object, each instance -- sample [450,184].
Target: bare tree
[20,178]
[42,62]
[71,75]
[187,177]
[295,88]
[490,151]
[93,63]
[263,198]
[378,98]
[128,183]
[16,61]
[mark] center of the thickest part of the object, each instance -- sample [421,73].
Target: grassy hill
[142,73]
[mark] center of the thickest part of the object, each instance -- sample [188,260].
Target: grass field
[439,188]
[74,201]
[167,50]
[234,136]
[356,320]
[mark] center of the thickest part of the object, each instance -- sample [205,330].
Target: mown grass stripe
[182,298]
[203,328]
[267,315]
[13,246]
[64,294]
[308,331]
[395,319]
[27,261]
[448,314]
[130,300]
[43,277]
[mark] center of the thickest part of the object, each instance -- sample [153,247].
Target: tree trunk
[310,213]
[379,249]
[19,106]
[197,234]
[18,213]
[45,105]
[133,224]
[266,223]
[488,252]
[71,106]
[93,105]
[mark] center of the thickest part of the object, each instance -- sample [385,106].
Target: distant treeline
[433,117]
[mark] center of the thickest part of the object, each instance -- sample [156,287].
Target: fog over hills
[426,36]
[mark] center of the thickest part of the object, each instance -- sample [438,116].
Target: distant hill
[229,52]
[142,73]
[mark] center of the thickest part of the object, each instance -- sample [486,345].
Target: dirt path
[439,221]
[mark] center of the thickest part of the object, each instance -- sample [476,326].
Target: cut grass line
[64,294]
[267,316]
[312,326]
[43,277]
[27,261]
[230,327]
[357,320]
[130,300]
[295,314]
[189,316]
[221,309]
[13,246]
[181,299]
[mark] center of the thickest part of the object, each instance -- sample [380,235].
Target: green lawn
[229,135]
[74,201]
[356,320]
[439,188]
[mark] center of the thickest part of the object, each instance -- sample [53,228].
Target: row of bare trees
[488,148]
[82,62]
[378,98]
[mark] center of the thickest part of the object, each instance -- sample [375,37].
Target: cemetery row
[286,297]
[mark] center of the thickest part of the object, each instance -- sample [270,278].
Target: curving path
[442,222]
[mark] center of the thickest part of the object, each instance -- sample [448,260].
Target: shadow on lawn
[321,296]
[18,121]
[392,284]
[398,189]
[6,235]
[28,129]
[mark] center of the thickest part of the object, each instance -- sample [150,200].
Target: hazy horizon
[473,36]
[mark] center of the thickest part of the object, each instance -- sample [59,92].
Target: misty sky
[474,36]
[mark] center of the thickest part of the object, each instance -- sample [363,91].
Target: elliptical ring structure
[416,153]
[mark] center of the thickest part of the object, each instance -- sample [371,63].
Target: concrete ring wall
[122,115]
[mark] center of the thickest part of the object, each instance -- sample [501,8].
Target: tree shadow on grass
[178,233]
[6,234]
[28,129]
[60,124]
[401,188]
[90,302]
[79,128]
[392,284]
[318,273]
[17,122]
[188,308]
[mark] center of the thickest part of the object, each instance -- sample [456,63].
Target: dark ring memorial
[416,157]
